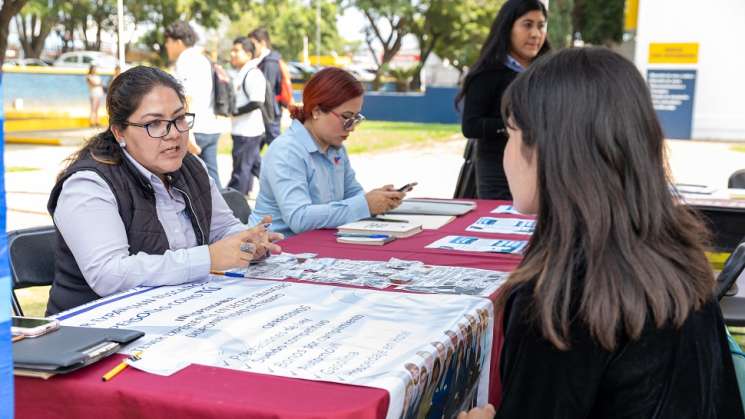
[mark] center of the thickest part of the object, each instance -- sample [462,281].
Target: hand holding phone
[32,327]
[408,187]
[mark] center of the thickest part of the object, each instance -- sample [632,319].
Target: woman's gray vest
[135,198]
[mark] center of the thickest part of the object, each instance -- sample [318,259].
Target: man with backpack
[194,71]
[269,65]
[250,88]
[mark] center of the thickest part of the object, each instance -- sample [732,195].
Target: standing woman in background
[95,92]
[517,37]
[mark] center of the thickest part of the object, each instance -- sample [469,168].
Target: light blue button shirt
[513,65]
[305,189]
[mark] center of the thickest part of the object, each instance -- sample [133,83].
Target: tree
[161,13]
[452,30]
[288,22]
[600,22]
[34,23]
[388,21]
[9,9]
[560,24]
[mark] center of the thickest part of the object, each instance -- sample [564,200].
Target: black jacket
[273,75]
[135,199]
[482,117]
[667,374]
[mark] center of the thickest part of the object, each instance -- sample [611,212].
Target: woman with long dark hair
[611,312]
[134,208]
[516,38]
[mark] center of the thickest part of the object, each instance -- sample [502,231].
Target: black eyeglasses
[349,122]
[161,127]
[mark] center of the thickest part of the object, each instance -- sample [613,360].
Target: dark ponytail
[125,94]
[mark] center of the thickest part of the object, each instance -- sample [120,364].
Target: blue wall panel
[434,106]
[6,355]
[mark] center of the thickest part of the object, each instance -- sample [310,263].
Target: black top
[667,373]
[482,117]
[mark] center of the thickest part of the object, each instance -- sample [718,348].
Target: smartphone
[408,187]
[32,327]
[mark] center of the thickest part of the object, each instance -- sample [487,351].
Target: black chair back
[732,270]
[31,256]
[237,203]
[737,180]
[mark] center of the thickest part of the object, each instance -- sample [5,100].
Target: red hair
[327,89]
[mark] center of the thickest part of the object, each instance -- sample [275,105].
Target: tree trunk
[37,43]
[9,9]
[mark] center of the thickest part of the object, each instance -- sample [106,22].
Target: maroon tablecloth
[201,391]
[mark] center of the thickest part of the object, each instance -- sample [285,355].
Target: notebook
[374,241]
[69,348]
[393,229]
[433,207]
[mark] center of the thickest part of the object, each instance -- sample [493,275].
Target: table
[201,391]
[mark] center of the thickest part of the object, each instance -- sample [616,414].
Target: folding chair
[737,180]
[237,203]
[31,255]
[733,307]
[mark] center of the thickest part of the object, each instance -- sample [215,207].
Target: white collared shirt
[249,80]
[194,71]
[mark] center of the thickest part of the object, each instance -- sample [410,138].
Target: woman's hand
[239,249]
[383,199]
[486,412]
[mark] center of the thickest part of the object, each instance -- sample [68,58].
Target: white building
[692,56]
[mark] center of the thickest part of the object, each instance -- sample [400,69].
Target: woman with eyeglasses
[134,208]
[307,181]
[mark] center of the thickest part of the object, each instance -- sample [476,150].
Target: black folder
[69,348]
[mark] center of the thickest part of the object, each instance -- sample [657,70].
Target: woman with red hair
[307,181]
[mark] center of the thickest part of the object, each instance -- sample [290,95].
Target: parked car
[35,62]
[83,59]
[299,72]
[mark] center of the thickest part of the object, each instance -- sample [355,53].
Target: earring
[122,143]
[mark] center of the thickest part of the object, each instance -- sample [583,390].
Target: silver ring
[248,247]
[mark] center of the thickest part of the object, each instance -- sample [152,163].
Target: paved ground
[435,168]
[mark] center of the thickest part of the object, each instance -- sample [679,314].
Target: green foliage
[388,21]
[560,27]
[465,28]
[402,76]
[161,13]
[288,21]
[600,21]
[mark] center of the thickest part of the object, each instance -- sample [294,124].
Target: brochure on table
[475,244]
[503,226]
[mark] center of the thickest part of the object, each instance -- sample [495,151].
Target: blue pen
[230,274]
[369,236]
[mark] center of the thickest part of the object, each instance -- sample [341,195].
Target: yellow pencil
[121,367]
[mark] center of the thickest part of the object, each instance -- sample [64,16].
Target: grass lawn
[740,148]
[371,136]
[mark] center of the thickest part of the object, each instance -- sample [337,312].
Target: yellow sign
[673,53]
[631,15]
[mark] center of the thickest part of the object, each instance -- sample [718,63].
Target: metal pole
[318,32]
[120,30]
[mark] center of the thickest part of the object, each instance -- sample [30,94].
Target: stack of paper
[393,229]
[433,207]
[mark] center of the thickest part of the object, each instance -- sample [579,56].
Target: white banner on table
[475,244]
[394,341]
[502,225]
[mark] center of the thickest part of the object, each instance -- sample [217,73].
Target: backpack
[267,107]
[284,98]
[223,95]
